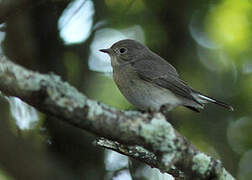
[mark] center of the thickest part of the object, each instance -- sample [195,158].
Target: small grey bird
[149,82]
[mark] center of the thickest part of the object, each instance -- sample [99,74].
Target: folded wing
[156,70]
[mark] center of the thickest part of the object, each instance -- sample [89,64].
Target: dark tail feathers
[215,101]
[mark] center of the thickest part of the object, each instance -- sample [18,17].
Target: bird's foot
[164,109]
[150,110]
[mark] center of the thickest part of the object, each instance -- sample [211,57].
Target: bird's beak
[108,51]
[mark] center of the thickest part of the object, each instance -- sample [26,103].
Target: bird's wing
[162,74]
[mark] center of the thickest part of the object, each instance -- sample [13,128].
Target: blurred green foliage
[4,176]
[229,24]
[105,90]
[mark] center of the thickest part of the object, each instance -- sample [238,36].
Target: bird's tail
[206,99]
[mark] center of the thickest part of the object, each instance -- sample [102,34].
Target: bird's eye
[122,50]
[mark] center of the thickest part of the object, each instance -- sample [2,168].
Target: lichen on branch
[150,131]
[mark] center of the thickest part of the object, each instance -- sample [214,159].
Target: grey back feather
[152,68]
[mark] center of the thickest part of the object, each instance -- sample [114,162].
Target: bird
[150,82]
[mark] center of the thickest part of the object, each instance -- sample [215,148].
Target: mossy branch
[50,95]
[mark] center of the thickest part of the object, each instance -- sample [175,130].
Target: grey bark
[149,131]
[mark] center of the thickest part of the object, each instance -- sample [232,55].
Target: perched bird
[149,82]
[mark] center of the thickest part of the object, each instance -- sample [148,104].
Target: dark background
[209,42]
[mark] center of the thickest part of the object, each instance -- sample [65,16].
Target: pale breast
[140,93]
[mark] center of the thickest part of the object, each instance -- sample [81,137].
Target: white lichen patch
[62,93]
[94,109]
[131,113]
[201,163]
[168,158]
[29,81]
[225,175]
[160,133]
[11,73]
[109,111]
[144,153]
[142,150]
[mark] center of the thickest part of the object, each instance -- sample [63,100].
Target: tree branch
[151,131]
[137,152]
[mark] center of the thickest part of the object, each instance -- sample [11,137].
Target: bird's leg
[150,110]
[165,110]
